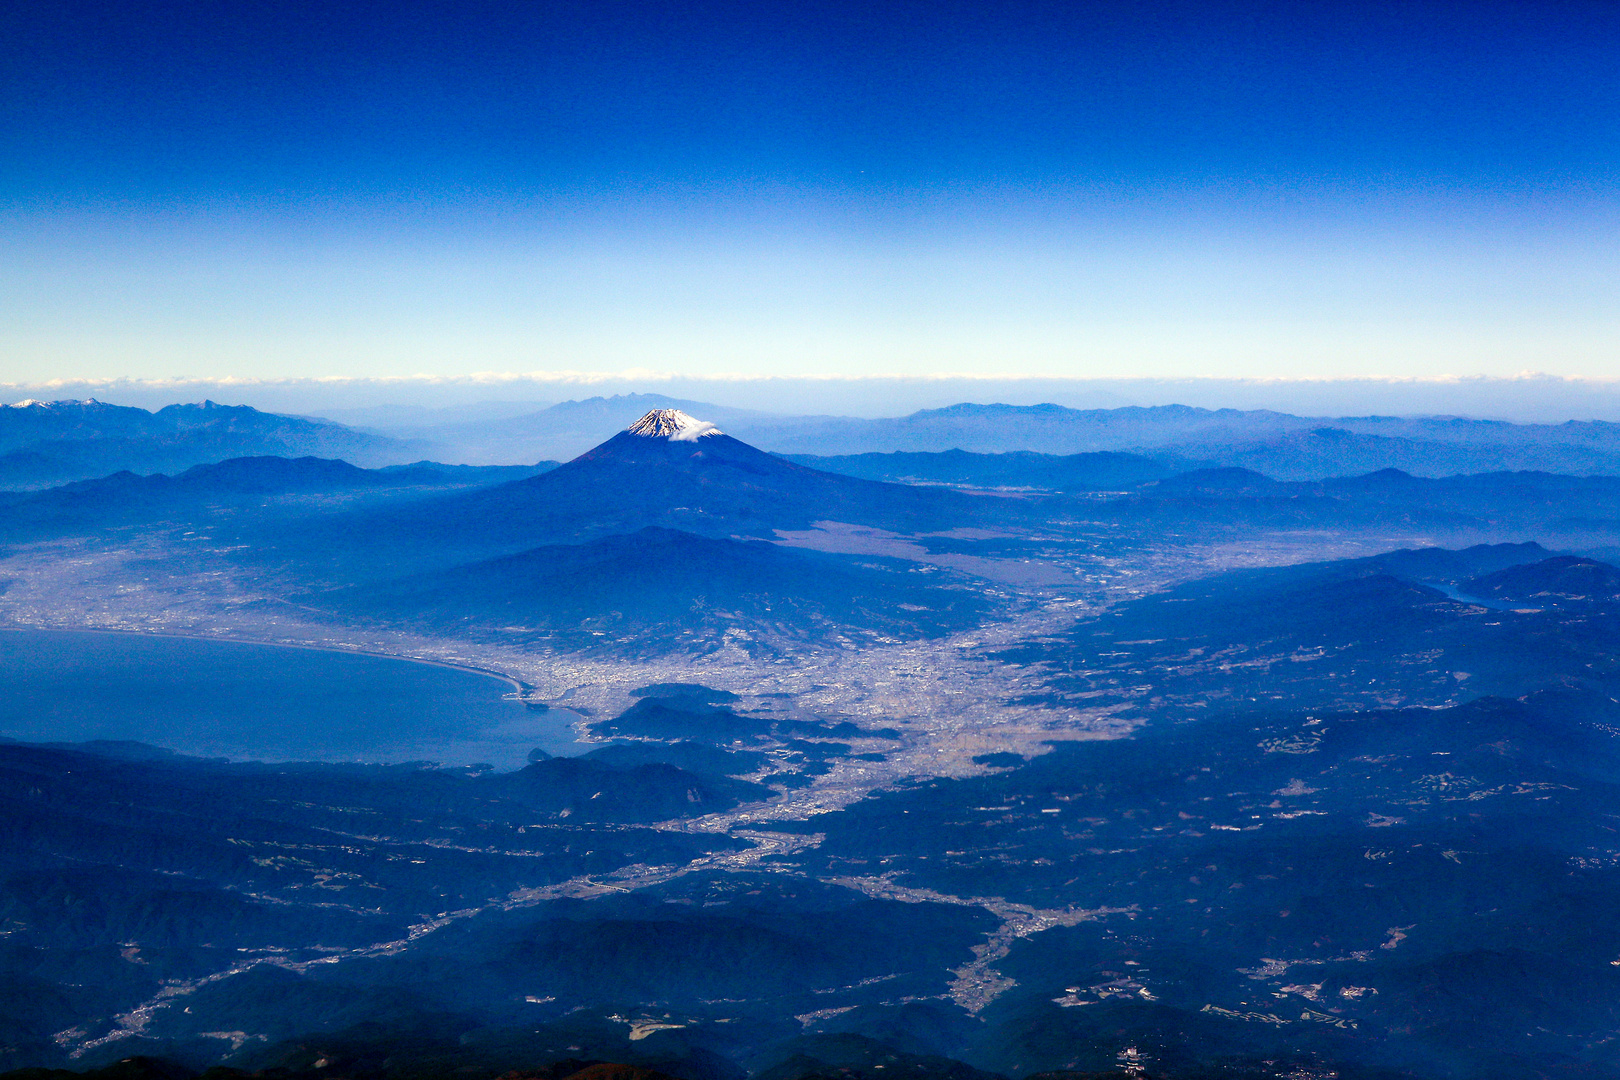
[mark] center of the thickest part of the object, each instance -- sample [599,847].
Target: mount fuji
[667,470]
[672,424]
[661,547]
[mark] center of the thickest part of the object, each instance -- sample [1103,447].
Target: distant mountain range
[1581,512]
[1288,447]
[47,443]
[1177,436]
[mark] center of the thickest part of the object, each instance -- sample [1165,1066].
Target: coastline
[566,734]
[513,681]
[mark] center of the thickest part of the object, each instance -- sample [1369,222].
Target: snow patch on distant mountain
[35,403]
[674,425]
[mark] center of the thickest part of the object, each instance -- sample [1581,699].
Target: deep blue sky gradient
[183,149]
[147,102]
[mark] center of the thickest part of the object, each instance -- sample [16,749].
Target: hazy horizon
[1531,398]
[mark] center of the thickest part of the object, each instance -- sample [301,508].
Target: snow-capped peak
[672,424]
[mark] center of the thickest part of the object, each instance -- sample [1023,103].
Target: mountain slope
[86,506]
[45,443]
[1362,633]
[560,431]
[708,484]
[1562,580]
[669,588]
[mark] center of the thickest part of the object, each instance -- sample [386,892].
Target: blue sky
[264,190]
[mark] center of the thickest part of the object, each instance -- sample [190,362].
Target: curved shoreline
[511,680]
[571,732]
